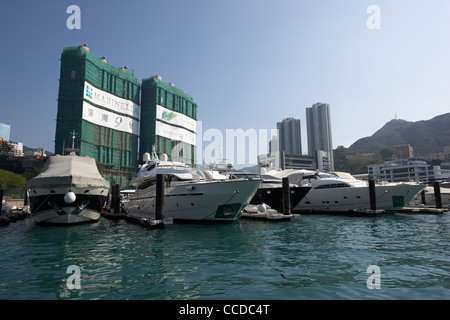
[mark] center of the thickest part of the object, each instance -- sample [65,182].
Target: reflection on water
[310,257]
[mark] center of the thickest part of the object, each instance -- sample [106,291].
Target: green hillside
[426,137]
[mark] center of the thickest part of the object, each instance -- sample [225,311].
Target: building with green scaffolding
[168,121]
[98,113]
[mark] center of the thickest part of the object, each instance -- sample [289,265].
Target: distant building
[274,145]
[17,149]
[285,151]
[437,156]
[405,171]
[277,160]
[98,111]
[5,132]
[404,151]
[447,152]
[320,145]
[289,137]
[12,148]
[168,121]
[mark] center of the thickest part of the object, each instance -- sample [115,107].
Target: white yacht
[68,190]
[270,192]
[190,195]
[338,191]
[430,198]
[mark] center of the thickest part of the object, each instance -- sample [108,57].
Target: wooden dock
[422,210]
[350,213]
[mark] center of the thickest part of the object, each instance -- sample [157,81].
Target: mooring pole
[115,198]
[437,195]
[372,194]
[160,186]
[422,197]
[286,196]
[1,197]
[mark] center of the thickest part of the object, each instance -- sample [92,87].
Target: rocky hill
[426,137]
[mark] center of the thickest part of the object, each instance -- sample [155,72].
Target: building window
[72,74]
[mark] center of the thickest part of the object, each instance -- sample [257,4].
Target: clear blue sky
[247,63]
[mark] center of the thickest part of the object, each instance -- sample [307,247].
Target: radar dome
[146,157]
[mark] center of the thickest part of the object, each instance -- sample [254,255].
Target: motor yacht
[191,195]
[68,190]
[340,191]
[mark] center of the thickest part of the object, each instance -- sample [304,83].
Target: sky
[247,64]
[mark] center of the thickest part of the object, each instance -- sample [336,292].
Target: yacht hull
[54,217]
[54,210]
[430,198]
[388,198]
[273,197]
[68,190]
[208,202]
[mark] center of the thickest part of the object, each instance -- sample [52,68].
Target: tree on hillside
[12,180]
[354,166]
[7,163]
[386,154]
[5,148]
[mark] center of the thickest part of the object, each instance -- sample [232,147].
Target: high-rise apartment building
[289,139]
[320,146]
[98,112]
[168,121]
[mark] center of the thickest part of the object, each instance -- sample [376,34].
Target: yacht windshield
[321,176]
[329,176]
[150,167]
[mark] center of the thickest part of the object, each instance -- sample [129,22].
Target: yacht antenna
[154,154]
[73,150]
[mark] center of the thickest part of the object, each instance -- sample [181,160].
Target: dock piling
[160,186]
[437,195]
[1,197]
[286,196]
[372,194]
[422,197]
[115,198]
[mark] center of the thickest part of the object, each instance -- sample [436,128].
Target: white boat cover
[79,172]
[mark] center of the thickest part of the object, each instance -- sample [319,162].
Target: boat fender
[70,197]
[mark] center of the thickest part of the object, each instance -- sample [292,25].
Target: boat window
[333,186]
[150,167]
[200,174]
[146,184]
[323,175]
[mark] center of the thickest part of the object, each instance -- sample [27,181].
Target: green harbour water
[320,257]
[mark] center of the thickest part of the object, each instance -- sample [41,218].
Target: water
[310,257]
